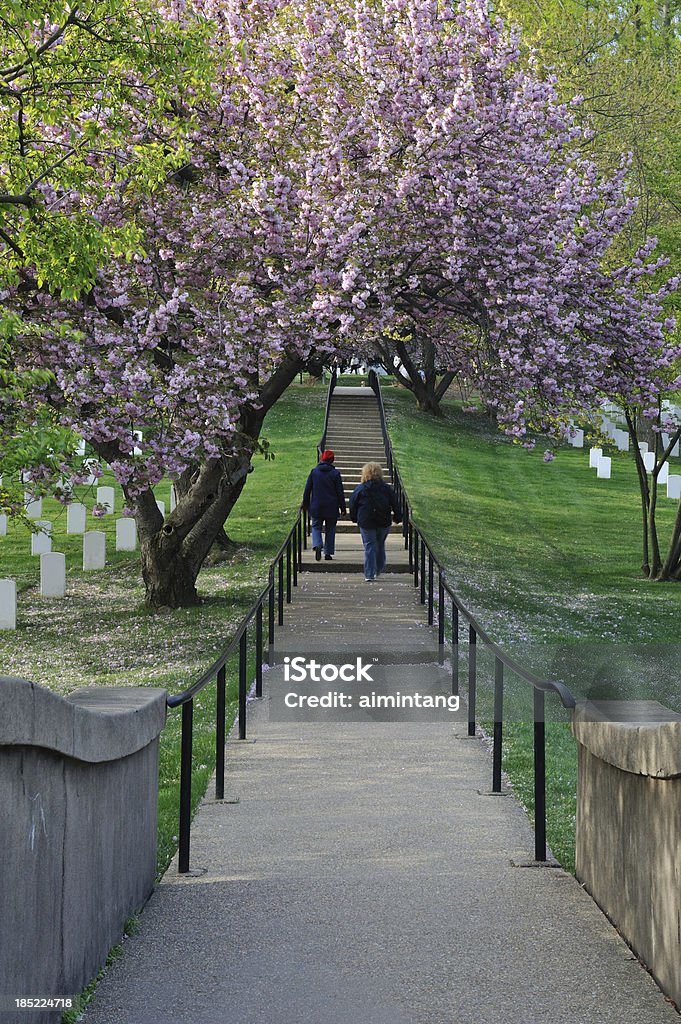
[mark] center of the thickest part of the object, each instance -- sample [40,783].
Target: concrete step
[355,414]
[347,526]
[349,555]
[347,449]
[354,439]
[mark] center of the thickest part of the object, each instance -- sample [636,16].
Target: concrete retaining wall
[78,809]
[628,852]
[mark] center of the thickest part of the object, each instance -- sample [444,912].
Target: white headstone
[41,543]
[594,456]
[80,450]
[3,525]
[94,550]
[8,604]
[173,498]
[604,467]
[674,487]
[622,440]
[53,574]
[649,461]
[663,475]
[106,496]
[577,440]
[675,450]
[643,447]
[161,507]
[75,517]
[34,506]
[126,534]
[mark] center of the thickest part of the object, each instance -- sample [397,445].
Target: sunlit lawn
[548,558]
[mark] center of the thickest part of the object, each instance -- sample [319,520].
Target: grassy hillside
[547,557]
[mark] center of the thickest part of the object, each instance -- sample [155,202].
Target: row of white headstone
[613,421]
[126,539]
[603,465]
[76,512]
[53,564]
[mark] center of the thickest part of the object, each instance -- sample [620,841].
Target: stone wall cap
[94,724]
[642,737]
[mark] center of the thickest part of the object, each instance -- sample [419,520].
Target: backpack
[380,506]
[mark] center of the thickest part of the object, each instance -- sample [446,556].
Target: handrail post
[410,545]
[498,727]
[441,619]
[305,517]
[270,618]
[185,786]
[431,590]
[455,648]
[281,591]
[423,571]
[243,669]
[288,571]
[220,735]
[416,557]
[539,776]
[258,651]
[472,677]
[294,539]
[299,528]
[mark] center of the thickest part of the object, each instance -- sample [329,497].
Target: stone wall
[628,853]
[78,809]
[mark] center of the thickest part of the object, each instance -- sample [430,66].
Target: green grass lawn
[102,634]
[547,557]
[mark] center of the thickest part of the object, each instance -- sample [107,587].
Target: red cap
[327,456]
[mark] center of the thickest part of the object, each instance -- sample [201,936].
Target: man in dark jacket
[374,506]
[325,498]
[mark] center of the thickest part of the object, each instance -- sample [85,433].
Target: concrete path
[365,875]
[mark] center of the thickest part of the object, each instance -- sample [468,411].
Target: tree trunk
[173,550]
[169,582]
[643,487]
[421,382]
[427,402]
[223,547]
[671,568]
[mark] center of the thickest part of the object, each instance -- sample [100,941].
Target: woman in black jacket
[374,506]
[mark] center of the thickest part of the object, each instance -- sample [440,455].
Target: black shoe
[318,554]
[328,558]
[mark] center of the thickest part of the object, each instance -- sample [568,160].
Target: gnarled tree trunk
[174,549]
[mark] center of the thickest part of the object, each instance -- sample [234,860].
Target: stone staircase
[354,434]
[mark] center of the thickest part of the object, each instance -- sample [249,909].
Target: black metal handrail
[282,575]
[420,554]
[332,387]
[375,385]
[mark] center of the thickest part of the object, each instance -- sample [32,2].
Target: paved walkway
[366,876]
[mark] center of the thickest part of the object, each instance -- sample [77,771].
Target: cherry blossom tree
[348,170]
